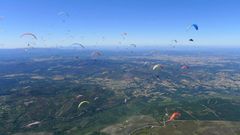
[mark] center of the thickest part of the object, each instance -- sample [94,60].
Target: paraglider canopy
[32,124]
[157,67]
[184,67]
[78,44]
[29,34]
[174,116]
[195,26]
[79,96]
[96,54]
[125,33]
[191,40]
[175,41]
[62,13]
[83,102]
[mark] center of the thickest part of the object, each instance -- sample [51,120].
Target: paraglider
[184,67]
[78,44]
[195,26]
[175,41]
[96,54]
[96,98]
[29,34]
[83,102]
[79,96]
[157,66]
[32,124]
[125,101]
[191,40]
[124,35]
[166,119]
[29,42]
[63,15]
[145,63]
[174,116]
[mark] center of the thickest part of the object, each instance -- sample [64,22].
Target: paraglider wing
[32,124]
[157,66]
[83,102]
[195,26]
[125,33]
[96,54]
[174,116]
[191,40]
[78,44]
[185,67]
[125,101]
[29,34]
[79,96]
[175,41]
[63,14]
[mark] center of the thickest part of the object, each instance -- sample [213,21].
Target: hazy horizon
[103,23]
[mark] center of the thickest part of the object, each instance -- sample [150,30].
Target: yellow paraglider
[83,102]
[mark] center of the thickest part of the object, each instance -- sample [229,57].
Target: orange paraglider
[174,116]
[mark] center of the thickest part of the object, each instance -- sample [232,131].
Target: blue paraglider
[195,26]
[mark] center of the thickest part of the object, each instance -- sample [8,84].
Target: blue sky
[147,22]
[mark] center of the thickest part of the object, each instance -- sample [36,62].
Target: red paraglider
[174,116]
